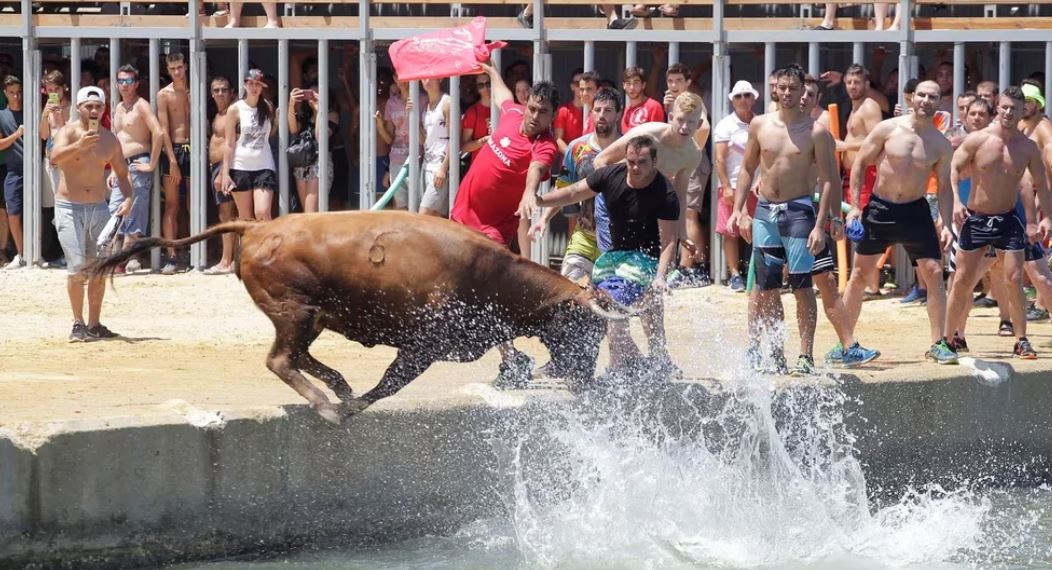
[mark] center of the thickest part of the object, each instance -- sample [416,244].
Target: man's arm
[159,140]
[680,183]
[572,194]
[701,136]
[868,154]
[498,90]
[830,185]
[162,118]
[120,170]
[534,177]
[615,153]
[667,233]
[750,161]
[1039,176]
[65,149]
[9,140]
[947,193]
[443,170]
[958,161]
[721,168]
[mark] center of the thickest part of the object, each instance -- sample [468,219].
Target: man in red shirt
[503,182]
[570,122]
[641,109]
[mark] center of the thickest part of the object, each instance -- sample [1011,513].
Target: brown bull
[433,289]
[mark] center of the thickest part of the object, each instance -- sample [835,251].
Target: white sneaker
[132,266]
[169,268]
[17,263]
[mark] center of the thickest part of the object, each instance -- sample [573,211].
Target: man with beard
[998,156]
[592,234]
[173,112]
[987,91]
[909,149]
[502,184]
[787,232]
[1038,127]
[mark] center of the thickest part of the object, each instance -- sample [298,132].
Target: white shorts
[434,198]
[577,267]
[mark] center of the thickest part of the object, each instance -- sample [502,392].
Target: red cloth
[443,53]
[649,111]
[490,193]
[570,119]
[477,119]
[869,180]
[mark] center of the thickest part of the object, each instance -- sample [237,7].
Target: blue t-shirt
[9,122]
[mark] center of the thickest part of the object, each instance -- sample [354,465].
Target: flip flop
[216,270]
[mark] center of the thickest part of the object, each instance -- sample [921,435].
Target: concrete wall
[145,495]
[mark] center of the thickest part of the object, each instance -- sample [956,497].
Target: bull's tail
[105,267]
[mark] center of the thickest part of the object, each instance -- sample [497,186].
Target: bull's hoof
[353,407]
[329,413]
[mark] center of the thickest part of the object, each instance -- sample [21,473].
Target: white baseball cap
[90,93]
[743,87]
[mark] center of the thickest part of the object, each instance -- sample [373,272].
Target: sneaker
[701,275]
[169,268]
[915,294]
[1036,314]
[17,263]
[857,355]
[737,284]
[100,332]
[805,365]
[525,20]
[622,24]
[1024,350]
[836,356]
[80,332]
[941,353]
[514,375]
[984,302]
[132,266]
[1005,329]
[958,344]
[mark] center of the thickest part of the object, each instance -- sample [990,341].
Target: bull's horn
[609,315]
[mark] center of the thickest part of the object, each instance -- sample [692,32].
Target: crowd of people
[904,172]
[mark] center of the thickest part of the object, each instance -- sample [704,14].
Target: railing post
[74,79]
[858,53]
[814,64]
[903,267]
[414,147]
[200,185]
[631,51]
[589,65]
[673,53]
[324,160]
[958,78]
[115,62]
[242,65]
[720,79]
[366,122]
[31,163]
[769,56]
[155,193]
[1004,64]
[541,72]
[453,175]
[283,127]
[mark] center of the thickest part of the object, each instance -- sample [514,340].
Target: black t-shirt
[634,212]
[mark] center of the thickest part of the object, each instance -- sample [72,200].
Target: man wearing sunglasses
[142,139]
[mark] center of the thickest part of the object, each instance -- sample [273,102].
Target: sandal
[218,270]
[1006,329]
[642,11]
[669,10]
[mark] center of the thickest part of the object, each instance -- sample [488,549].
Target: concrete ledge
[110,495]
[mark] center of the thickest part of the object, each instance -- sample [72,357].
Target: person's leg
[271,10]
[999,288]
[75,290]
[235,15]
[833,306]
[14,222]
[170,218]
[308,193]
[880,14]
[985,263]
[610,11]
[731,253]
[96,291]
[623,349]
[261,203]
[865,267]
[1041,278]
[243,203]
[5,232]
[829,19]
[697,236]
[770,319]
[1013,272]
[895,22]
[806,318]
[969,266]
[653,320]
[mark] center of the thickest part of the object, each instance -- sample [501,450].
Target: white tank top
[436,143]
[252,151]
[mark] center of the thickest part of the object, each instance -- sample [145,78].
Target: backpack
[303,149]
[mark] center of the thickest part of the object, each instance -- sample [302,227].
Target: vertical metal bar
[958,78]
[115,62]
[155,194]
[769,57]
[541,72]
[242,64]
[415,183]
[673,53]
[494,111]
[454,139]
[631,51]
[371,130]
[589,65]
[324,160]
[366,169]
[903,268]
[813,59]
[1048,76]
[283,127]
[74,80]
[858,53]
[199,186]
[720,78]
[1004,64]
[31,169]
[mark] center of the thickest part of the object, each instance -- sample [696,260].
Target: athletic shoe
[857,355]
[80,332]
[1036,314]
[1024,350]
[18,262]
[958,344]
[984,302]
[836,356]
[1005,329]
[805,365]
[132,266]
[622,24]
[516,374]
[700,274]
[941,353]
[100,332]
[736,284]
[169,268]
[915,294]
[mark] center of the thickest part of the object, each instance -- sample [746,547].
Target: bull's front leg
[407,366]
[333,379]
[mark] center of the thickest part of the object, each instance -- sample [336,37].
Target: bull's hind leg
[407,366]
[294,328]
[333,379]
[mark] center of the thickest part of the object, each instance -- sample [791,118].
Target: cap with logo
[257,76]
[90,93]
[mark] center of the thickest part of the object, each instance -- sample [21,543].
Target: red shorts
[869,180]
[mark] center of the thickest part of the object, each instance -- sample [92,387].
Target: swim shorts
[887,223]
[13,192]
[779,238]
[624,275]
[182,158]
[137,222]
[79,227]
[824,259]
[1004,232]
[221,197]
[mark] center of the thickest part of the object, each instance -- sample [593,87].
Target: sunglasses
[742,96]
[220,89]
[481,85]
[126,81]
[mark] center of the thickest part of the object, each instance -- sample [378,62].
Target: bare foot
[273,25]
[230,24]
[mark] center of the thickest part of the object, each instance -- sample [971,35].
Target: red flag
[443,53]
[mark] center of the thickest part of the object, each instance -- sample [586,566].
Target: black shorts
[221,197]
[824,259]
[3,174]
[1034,252]
[887,223]
[182,158]
[245,180]
[1005,232]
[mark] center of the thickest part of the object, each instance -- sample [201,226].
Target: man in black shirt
[643,211]
[11,131]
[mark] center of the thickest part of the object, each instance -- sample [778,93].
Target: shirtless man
[1039,128]
[848,352]
[997,156]
[82,150]
[223,96]
[173,111]
[898,212]
[787,231]
[141,138]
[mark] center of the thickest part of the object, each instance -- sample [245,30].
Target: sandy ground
[194,341]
